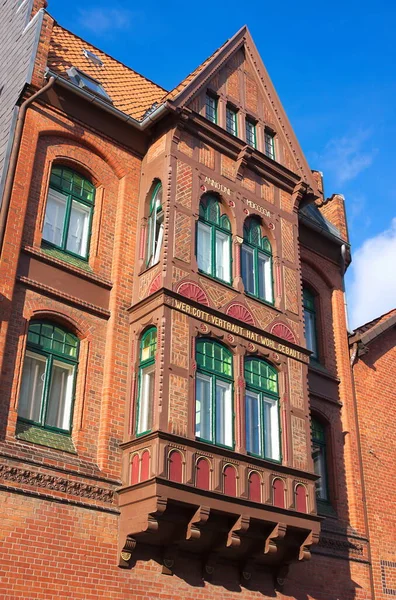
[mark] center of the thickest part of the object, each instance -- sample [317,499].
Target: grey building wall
[19,37]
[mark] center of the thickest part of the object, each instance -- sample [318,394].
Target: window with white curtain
[256,262]
[48,377]
[213,240]
[310,322]
[262,409]
[320,459]
[155,227]
[214,407]
[68,214]
[146,382]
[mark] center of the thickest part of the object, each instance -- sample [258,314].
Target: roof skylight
[92,57]
[88,83]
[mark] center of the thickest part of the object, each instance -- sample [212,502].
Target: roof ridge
[371,324]
[110,56]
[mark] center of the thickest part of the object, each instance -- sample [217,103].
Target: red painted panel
[202,477]
[254,487]
[279,493]
[301,499]
[230,481]
[135,469]
[175,466]
[145,467]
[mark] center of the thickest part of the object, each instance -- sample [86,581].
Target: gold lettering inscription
[259,208]
[236,329]
[217,185]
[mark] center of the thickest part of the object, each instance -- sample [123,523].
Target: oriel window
[68,214]
[262,409]
[155,227]
[48,376]
[146,381]
[256,262]
[213,240]
[214,418]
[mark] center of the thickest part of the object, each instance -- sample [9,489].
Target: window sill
[145,269]
[60,260]
[44,437]
[265,302]
[220,281]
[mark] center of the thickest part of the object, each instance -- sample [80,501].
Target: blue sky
[333,66]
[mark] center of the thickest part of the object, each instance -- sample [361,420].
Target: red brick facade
[105,512]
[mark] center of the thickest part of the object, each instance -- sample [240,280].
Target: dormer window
[88,83]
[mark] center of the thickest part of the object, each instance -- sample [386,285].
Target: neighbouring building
[178,417]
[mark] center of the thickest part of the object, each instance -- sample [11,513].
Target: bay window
[262,409]
[146,381]
[214,394]
[256,262]
[213,240]
[68,214]
[155,227]
[48,377]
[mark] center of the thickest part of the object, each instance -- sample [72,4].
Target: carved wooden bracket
[239,528]
[126,553]
[302,195]
[305,548]
[271,544]
[242,161]
[197,521]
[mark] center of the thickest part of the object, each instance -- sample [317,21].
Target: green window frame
[146,381]
[310,321]
[214,394]
[251,137]
[262,412]
[211,107]
[213,246]
[49,372]
[155,227]
[319,456]
[269,144]
[68,213]
[256,262]
[232,120]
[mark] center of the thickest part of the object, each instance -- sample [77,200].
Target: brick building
[178,418]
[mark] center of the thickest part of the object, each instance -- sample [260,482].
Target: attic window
[88,83]
[92,57]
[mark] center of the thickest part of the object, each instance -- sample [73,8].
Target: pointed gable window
[251,132]
[211,107]
[231,120]
[269,143]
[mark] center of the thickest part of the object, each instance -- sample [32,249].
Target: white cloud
[372,291]
[347,156]
[105,20]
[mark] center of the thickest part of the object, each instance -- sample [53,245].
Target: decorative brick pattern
[186,143]
[251,93]
[146,279]
[296,383]
[183,184]
[286,201]
[156,149]
[179,339]
[228,167]
[299,442]
[295,327]
[388,577]
[178,274]
[267,191]
[178,404]
[206,155]
[232,84]
[290,286]
[287,231]
[182,240]
[249,181]
[218,295]
[263,315]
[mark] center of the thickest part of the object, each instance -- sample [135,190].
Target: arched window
[146,380]
[202,474]
[68,214]
[310,322]
[145,466]
[213,240]
[278,493]
[214,394]
[135,467]
[256,262]
[262,409]
[319,459]
[254,486]
[230,483]
[48,377]
[175,466]
[155,227]
[301,498]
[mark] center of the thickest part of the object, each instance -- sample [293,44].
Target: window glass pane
[253,423]
[148,346]
[211,108]
[310,333]
[146,399]
[224,413]
[231,121]
[32,387]
[159,232]
[271,429]
[250,133]
[223,262]
[265,277]
[60,396]
[77,238]
[204,247]
[203,407]
[54,217]
[261,375]
[269,145]
[248,268]
[319,460]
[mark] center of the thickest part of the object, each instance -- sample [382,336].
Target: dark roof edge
[371,334]
[316,227]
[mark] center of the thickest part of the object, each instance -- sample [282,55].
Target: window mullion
[47,384]
[256,273]
[67,221]
[213,408]
[213,244]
